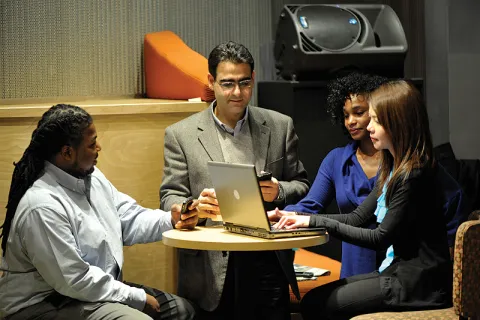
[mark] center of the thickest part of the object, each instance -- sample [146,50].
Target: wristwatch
[281,193]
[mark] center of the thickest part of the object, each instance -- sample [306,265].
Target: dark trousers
[345,298]
[58,307]
[255,288]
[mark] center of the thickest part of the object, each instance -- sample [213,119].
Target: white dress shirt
[68,235]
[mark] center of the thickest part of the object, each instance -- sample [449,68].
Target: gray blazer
[189,144]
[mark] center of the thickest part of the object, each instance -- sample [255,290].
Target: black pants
[345,298]
[255,288]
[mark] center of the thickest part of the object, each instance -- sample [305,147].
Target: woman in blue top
[406,205]
[349,173]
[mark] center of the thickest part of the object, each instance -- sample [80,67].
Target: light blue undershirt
[380,212]
[238,127]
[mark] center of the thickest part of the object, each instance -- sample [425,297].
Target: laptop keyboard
[291,230]
[285,230]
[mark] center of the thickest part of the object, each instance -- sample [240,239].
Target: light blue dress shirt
[68,235]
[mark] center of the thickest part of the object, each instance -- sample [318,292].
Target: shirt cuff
[137,298]
[172,223]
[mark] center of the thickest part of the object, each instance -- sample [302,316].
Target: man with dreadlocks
[65,228]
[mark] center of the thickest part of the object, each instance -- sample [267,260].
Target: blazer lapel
[208,136]
[261,138]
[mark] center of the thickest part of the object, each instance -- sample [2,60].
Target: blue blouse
[341,176]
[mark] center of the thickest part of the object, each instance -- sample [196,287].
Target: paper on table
[317,272]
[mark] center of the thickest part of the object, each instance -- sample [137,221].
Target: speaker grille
[308,45]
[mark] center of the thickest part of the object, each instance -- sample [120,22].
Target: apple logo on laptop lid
[236,194]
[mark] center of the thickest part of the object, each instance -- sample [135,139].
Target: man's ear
[66,152]
[211,80]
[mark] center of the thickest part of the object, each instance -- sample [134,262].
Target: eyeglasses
[230,85]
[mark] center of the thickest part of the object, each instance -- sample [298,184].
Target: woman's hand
[292,222]
[275,215]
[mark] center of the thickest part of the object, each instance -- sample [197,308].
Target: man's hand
[186,220]
[208,204]
[276,215]
[151,306]
[292,222]
[270,189]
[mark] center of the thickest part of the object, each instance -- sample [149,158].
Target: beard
[90,171]
[80,173]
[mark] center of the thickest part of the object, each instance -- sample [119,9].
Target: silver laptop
[241,202]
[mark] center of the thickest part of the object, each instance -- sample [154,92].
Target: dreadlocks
[61,125]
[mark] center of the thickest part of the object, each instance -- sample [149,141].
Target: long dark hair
[402,113]
[61,125]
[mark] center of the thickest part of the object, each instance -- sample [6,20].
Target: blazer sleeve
[380,237]
[175,185]
[294,183]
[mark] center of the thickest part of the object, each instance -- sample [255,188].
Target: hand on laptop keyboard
[275,215]
[292,222]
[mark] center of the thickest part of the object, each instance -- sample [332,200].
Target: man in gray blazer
[223,284]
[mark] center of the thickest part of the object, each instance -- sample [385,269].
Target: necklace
[365,157]
[368,163]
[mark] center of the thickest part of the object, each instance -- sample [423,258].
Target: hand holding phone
[186,203]
[189,219]
[264,176]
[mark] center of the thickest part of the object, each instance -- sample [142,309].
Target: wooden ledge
[34,108]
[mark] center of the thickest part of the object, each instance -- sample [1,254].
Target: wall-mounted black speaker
[315,41]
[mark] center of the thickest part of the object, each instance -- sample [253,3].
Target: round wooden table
[217,238]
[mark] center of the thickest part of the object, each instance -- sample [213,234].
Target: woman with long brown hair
[407,205]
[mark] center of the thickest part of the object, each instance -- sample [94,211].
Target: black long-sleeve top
[420,275]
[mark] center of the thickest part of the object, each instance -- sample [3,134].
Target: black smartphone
[186,203]
[264,176]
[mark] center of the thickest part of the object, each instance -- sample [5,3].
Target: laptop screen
[238,194]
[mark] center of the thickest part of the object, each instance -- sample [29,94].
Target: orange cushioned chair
[312,259]
[173,70]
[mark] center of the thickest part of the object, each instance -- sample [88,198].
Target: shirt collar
[68,181]
[226,128]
